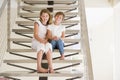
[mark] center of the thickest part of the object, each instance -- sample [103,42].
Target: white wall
[101,34]
[117,42]
[97,3]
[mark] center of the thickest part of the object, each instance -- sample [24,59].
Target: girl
[56,33]
[40,43]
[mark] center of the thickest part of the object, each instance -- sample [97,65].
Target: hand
[55,38]
[44,41]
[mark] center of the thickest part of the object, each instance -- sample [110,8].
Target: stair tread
[30,31]
[31,50]
[31,23]
[27,73]
[26,40]
[46,1]
[55,7]
[43,61]
[36,15]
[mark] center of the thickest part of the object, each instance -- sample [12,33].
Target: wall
[117,42]
[101,34]
[96,3]
[100,20]
[117,1]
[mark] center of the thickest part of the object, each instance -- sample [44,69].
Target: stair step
[31,23]
[27,73]
[26,40]
[43,61]
[55,7]
[29,31]
[36,15]
[46,1]
[31,50]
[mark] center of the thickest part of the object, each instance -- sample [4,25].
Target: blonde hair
[48,12]
[60,13]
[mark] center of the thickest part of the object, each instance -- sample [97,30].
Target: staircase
[21,61]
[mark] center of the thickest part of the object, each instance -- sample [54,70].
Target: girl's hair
[60,13]
[50,17]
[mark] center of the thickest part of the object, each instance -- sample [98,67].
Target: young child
[56,33]
[40,43]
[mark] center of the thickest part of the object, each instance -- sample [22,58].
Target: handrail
[2,51]
[85,42]
[8,24]
[7,35]
[3,6]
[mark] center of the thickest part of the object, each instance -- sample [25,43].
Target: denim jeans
[58,44]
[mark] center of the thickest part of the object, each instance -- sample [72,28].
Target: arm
[63,35]
[36,33]
[57,38]
[49,34]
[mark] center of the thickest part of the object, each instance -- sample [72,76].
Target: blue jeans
[58,44]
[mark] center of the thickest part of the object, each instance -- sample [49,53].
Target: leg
[49,58]
[44,65]
[53,42]
[39,59]
[60,46]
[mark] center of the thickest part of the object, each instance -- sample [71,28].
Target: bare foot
[42,70]
[62,57]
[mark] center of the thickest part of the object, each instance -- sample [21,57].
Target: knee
[49,51]
[60,42]
[48,47]
[41,51]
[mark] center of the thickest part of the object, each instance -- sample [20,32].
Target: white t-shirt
[56,30]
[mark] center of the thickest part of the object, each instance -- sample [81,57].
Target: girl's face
[58,19]
[44,17]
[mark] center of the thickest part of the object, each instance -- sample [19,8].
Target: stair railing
[8,24]
[6,3]
[3,6]
[85,42]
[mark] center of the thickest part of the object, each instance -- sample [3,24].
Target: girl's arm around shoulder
[49,34]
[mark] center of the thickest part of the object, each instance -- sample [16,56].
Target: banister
[3,6]
[85,43]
